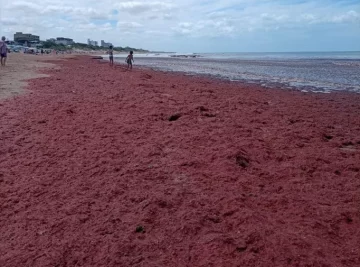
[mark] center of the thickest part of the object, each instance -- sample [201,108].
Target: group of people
[129,59]
[3,54]
[3,51]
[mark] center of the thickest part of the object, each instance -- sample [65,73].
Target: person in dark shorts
[3,51]
[130,59]
[111,55]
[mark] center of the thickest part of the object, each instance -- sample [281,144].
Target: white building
[93,43]
[64,41]
[104,44]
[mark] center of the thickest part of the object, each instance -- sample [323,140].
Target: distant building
[64,41]
[93,43]
[52,40]
[104,44]
[23,38]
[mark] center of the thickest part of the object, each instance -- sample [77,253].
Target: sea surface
[323,72]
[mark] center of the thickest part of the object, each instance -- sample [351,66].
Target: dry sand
[20,68]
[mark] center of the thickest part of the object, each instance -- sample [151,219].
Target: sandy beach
[100,166]
[23,67]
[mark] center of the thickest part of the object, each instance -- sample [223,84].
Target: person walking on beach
[130,59]
[3,51]
[111,55]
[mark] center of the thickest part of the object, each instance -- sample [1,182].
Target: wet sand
[104,167]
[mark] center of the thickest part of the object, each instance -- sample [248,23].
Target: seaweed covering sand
[104,167]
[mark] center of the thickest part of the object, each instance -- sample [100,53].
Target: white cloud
[9,21]
[85,27]
[38,9]
[210,28]
[274,18]
[180,19]
[128,25]
[351,16]
[140,7]
[216,14]
[309,18]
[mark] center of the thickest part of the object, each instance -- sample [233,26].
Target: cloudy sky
[192,25]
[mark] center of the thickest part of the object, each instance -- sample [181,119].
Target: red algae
[94,172]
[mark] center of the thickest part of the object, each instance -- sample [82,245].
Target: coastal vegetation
[82,46]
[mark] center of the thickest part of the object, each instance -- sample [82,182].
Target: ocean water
[311,71]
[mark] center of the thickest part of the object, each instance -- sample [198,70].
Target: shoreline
[292,75]
[13,84]
[103,166]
